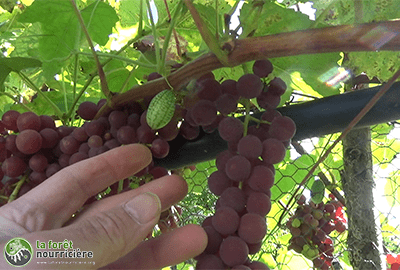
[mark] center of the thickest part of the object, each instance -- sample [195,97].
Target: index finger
[58,197]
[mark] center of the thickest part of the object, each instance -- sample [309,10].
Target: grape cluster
[33,148]
[310,227]
[246,169]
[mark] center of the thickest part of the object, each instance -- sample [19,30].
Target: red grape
[29,141]
[87,110]
[233,251]
[252,228]
[225,220]
[249,86]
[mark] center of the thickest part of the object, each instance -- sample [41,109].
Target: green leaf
[99,19]
[15,64]
[304,72]
[61,32]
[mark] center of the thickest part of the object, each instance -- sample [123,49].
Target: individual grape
[4,154]
[282,128]
[238,168]
[252,228]
[225,220]
[64,131]
[230,129]
[170,131]
[9,120]
[340,226]
[258,203]
[188,131]
[104,122]
[145,134]
[38,163]
[126,135]
[329,208]
[78,156]
[235,198]
[80,134]
[13,166]
[277,87]
[270,114]
[233,251]
[214,240]
[218,182]
[209,89]
[318,214]
[209,261]
[95,127]
[87,110]
[95,141]
[10,143]
[63,160]
[222,158]
[29,141]
[37,177]
[133,120]
[249,86]
[25,188]
[229,87]
[110,144]
[226,104]
[268,100]
[214,125]
[207,221]
[273,151]
[52,169]
[159,148]
[261,178]
[254,248]
[204,112]
[262,68]
[46,122]
[301,199]
[28,120]
[50,138]
[117,119]
[69,145]
[258,266]
[250,147]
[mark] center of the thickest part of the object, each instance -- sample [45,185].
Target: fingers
[170,189]
[168,249]
[56,199]
[108,235]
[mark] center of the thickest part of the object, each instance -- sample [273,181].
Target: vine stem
[356,119]
[100,71]
[206,34]
[349,38]
[57,110]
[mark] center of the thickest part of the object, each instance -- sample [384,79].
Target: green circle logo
[18,252]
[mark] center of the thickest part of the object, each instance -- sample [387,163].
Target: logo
[18,252]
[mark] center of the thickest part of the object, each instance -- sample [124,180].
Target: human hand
[113,228]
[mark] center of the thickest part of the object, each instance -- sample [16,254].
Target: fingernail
[144,207]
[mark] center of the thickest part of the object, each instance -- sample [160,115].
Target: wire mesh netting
[301,156]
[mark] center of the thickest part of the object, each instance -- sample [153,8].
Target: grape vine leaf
[61,32]
[15,64]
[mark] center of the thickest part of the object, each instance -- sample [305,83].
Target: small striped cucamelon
[317,191]
[161,109]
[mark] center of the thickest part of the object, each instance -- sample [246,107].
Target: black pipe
[313,119]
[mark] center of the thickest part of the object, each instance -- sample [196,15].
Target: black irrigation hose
[313,119]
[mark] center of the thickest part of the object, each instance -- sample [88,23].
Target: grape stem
[17,188]
[100,71]
[311,41]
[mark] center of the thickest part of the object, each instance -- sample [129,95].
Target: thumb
[110,234]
